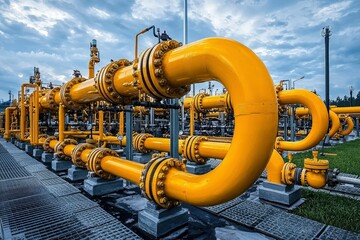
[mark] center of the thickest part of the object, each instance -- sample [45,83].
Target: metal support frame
[129,130]
[174,130]
[357,127]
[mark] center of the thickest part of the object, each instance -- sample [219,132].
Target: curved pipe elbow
[335,123]
[350,127]
[274,167]
[319,118]
[254,104]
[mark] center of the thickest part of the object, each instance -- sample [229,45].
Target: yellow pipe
[335,123]
[350,126]
[121,124]
[254,104]
[101,126]
[192,119]
[85,92]
[319,118]
[61,122]
[345,110]
[36,116]
[22,110]
[127,169]
[274,167]
[8,110]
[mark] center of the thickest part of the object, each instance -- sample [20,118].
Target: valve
[316,171]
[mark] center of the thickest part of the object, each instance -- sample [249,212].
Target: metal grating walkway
[37,204]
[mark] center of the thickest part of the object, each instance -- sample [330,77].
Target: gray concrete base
[47,157]
[197,168]
[29,149]
[158,221]
[60,165]
[76,173]
[279,193]
[12,140]
[96,186]
[22,145]
[37,152]
[141,157]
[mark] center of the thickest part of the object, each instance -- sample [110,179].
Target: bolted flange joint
[152,180]
[104,81]
[150,74]
[198,99]
[288,173]
[76,154]
[59,148]
[46,144]
[139,142]
[66,96]
[190,149]
[94,162]
[50,98]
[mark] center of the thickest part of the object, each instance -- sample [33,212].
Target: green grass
[347,158]
[333,210]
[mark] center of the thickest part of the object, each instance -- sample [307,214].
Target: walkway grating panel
[19,188]
[284,225]
[221,207]
[249,213]
[334,233]
[78,202]
[43,175]
[62,189]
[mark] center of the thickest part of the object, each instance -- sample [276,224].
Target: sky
[54,35]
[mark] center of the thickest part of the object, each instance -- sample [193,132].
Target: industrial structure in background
[122,123]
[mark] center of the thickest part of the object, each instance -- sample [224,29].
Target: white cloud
[333,11]
[95,12]
[155,9]
[34,14]
[103,35]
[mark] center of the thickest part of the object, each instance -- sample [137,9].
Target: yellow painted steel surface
[254,104]
[274,167]
[335,123]
[8,111]
[350,126]
[129,170]
[344,110]
[85,92]
[61,122]
[319,118]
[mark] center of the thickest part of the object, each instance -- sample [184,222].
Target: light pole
[351,92]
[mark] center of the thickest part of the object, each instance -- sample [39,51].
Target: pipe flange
[198,99]
[50,98]
[76,153]
[152,180]
[46,144]
[65,95]
[281,108]
[43,136]
[228,103]
[150,74]
[277,144]
[59,148]
[287,173]
[94,162]
[190,149]
[139,142]
[104,81]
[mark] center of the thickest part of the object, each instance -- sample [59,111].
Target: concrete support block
[96,186]
[141,157]
[29,149]
[12,140]
[22,145]
[47,157]
[37,153]
[158,221]
[75,173]
[279,193]
[60,165]
[197,168]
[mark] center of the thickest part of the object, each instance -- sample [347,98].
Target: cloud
[155,9]
[103,35]
[33,14]
[95,12]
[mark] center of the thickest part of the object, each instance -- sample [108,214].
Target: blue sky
[54,35]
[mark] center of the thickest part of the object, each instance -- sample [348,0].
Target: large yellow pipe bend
[335,123]
[319,119]
[350,126]
[254,103]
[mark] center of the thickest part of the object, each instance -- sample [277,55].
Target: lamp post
[351,92]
